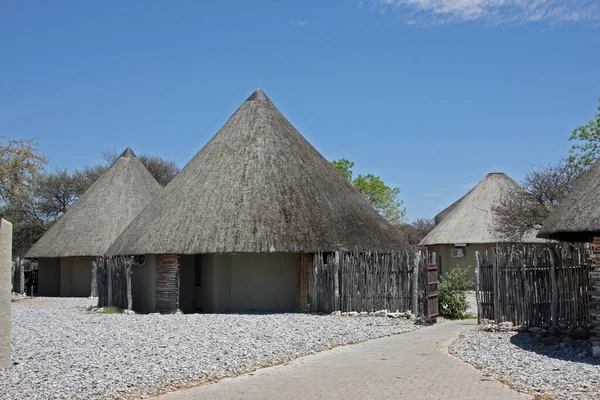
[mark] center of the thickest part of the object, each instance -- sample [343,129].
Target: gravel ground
[536,365]
[60,350]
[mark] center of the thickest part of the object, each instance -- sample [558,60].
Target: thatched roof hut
[577,218]
[258,187]
[446,211]
[470,219]
[101,214]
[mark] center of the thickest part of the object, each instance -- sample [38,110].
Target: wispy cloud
[467,186]
[300,23]
[432,195]
[492,11]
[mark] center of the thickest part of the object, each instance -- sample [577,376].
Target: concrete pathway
[414,365]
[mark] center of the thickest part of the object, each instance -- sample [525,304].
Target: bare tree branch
[522,212]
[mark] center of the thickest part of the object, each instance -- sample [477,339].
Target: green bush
[452,293]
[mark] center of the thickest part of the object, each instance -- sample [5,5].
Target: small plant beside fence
[534,286]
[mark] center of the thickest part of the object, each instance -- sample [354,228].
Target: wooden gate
[431,292]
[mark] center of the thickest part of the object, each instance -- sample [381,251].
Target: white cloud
[300,23]
[492,11]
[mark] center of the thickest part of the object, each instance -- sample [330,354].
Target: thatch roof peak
[470,219]
[577,218]
[258,95]
[257,187]
[93,223]
[128,153]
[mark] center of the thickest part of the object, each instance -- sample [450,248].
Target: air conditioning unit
[457,253]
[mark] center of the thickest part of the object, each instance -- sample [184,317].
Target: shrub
[452,293]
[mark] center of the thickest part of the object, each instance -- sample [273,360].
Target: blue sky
[428,94]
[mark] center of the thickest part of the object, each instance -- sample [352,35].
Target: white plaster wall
[5,287]
[143,286]
[76,276]
[49,277]
[249,282]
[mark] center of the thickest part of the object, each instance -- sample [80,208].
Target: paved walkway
[414,365]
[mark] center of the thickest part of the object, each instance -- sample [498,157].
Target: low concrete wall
[5,270]
[76,276]
[143,286]
[49,277]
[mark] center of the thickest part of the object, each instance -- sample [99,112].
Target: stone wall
[5,286]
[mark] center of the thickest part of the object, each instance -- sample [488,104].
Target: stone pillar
[5,271]
[167,283]
[594,295]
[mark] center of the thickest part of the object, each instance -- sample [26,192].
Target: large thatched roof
[577,218]
[101,214]
[446,211]
[258,186]
[470,219]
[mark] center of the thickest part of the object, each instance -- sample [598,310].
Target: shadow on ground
[556,347]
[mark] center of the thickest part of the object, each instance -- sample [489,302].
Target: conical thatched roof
[577,218]
[258,186]
[470,219]
[101,214]
[446,211]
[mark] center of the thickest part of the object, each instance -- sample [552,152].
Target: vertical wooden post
[594,295]
[315,297]
[415,284]
[553,273]
[336,282]
[94,288]
[497,318]
[108,265]
[19,277]
[477,263]
[128,278]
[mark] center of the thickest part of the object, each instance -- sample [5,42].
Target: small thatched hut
[66,251]
[238,219]
[467,225]
[577,218]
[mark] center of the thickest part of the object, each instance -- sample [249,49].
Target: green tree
[344,167]
[56,191]
[383,198]
[20,162]
[20,165]
[586,150]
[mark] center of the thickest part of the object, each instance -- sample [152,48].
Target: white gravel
[60,350]
[536,365]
